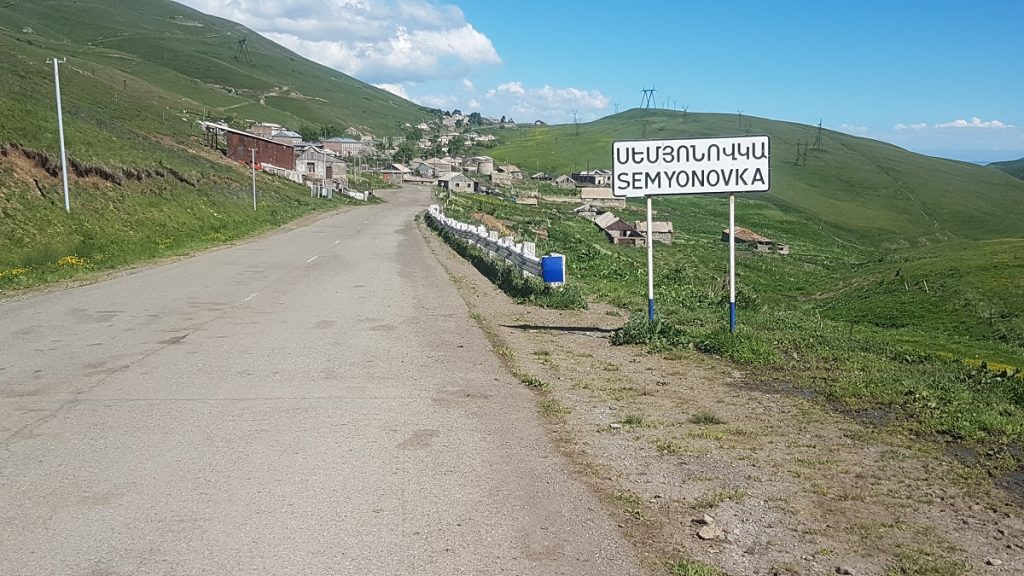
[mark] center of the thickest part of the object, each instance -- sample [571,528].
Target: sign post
[650,263]
[646,168]
[253,150]
[732,263]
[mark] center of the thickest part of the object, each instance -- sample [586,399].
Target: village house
[395,173]
[321,166]
[661,231]
[265,129]
[483,165]
[441,165]
[593,177]
[456,182]
[618,230]
[601,197]
[424,170]
[287,137]
[588,211]
[344,147]
[541,176]
[564,182]
[239,146]
[513,172]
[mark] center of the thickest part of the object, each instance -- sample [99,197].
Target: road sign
[690,166]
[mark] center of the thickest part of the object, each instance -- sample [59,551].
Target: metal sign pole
[60,128]
[253,150]
[650,263]
[732,263]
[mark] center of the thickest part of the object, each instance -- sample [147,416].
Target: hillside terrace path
[317,401]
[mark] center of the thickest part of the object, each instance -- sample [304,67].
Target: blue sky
[936,77]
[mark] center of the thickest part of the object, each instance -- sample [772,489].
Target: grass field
[901,299]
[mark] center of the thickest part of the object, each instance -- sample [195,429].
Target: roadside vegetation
[928,339]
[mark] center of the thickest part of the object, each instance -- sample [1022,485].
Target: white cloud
[911,126]
[474,104]
[851,129]
[442,102]
[974,122]
[385,41]
[396,89]
[546,103]
[467,84]
[511,88]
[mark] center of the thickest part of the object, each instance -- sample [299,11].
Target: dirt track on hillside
[794,487]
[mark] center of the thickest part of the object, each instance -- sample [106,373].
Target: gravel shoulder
[775,483]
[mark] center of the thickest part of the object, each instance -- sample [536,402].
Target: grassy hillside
[183,59]
[862,191]
[1014,168]
[138,76]
[901,296]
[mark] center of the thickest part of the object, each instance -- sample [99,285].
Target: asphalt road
[314,402]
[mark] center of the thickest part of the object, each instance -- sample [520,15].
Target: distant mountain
[1014,168]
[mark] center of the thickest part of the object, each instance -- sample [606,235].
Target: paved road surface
[314,402]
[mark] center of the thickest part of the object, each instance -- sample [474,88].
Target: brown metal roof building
[267,151]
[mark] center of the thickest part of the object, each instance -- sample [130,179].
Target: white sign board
[690,166]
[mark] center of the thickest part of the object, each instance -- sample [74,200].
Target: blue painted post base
[732,317]
[650,310]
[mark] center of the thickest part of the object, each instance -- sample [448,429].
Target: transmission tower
[645,104]
[242,52]
[576,121]
[817,139]
[616,107]
[648,98]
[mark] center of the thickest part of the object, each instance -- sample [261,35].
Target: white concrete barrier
[520,254]
[284,173]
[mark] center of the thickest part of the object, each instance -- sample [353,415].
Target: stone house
[661,231]
[564,182]
[601,197]
[321,165]
[456,182]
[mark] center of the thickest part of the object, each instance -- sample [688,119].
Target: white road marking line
[313,258]
[336,242]
[253,295]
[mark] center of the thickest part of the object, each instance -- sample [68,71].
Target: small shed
[760,243]
[564,181]
[587,211]
[661,231]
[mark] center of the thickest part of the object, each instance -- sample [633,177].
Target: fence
[520,254]
[284,173]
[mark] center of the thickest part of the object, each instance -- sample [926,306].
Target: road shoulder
[702,466]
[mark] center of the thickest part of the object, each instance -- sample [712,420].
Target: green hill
[861,190]
[1014,168]
[902,290]
[138,76]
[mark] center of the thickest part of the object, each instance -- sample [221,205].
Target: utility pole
[253,150]
[60,129]
[576,121]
